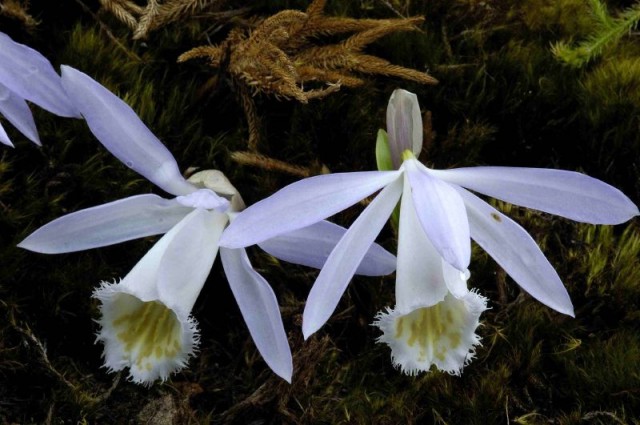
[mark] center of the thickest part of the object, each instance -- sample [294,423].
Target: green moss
[503,99]
[611,90]
[606,33]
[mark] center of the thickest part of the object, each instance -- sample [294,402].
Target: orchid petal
[441,213]
[311,246]
[455,280]
[419,278]
[517,253]
[187,261]
[146,321]
[31,76]
[120,130]
[565,193]
[17,112]
[301,204]
[442,335]
[344,259]
[259,308]
[4,138]
[404,125]
[108,224]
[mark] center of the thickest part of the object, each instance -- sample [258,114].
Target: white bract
[446,215]
[27,75]
[146,322]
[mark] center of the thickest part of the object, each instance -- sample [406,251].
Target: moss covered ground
[504,98]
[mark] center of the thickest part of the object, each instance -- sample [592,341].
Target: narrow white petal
[455,280]
[120,130]
[419,278]
[565,193]
[108,224]
[441,213]
[311,246]
[175,268]
[517,253]
[259,308]
[188,258]
[4,138]
[17,112]
[344,259]
[29,74]
[404,125]
[301,204]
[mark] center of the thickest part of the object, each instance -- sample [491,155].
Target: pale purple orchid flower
[146,322]
[27,75]
[446,216]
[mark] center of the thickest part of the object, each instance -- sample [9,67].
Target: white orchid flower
[435,317]
[146,323]
[27,75]
[447,215]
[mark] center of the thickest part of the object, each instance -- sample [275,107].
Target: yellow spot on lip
[432,331]
[147,330]
[496,217]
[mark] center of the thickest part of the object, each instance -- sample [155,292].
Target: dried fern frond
[17,10]
[147,19]
[125,10]
[171,11]
[285,50]
[156,14]
[213,53]
[285,55]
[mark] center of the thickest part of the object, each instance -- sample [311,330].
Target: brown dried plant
[16,9]
[145,19]
[284,55]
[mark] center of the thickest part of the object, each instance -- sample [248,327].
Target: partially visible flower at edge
[27,75]
[146,321]
[447,215]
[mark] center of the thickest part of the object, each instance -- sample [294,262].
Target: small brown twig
[104,27]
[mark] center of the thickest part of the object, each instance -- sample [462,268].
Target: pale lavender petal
[188,258]
[301,204]
[516,252]
[120,130]
[419,278]
[311,246]
[17,112]
[259,308]
[442,215]
[565,193]
[30,75]
[344,259]
[404,125]
[4,138]
[108,224]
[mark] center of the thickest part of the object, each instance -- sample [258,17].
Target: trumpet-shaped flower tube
[27,75]
[146,322]
[435,317]
[447,214]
